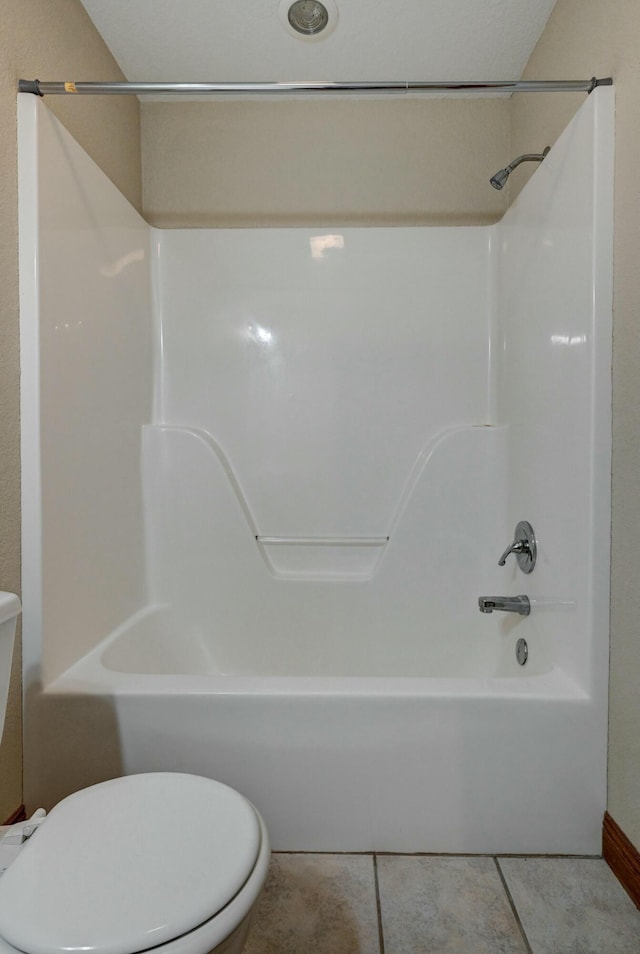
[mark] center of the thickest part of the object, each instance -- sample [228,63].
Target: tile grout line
[435,854]
[513,907]
[378,903]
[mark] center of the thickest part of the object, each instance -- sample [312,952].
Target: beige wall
[583,38]
[48,39]
[323,162]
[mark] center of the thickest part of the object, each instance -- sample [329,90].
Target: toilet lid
[129,864]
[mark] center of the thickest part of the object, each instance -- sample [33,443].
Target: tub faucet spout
[509,604]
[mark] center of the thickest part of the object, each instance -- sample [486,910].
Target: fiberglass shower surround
[267,474]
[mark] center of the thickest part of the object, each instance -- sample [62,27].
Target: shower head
[501,176]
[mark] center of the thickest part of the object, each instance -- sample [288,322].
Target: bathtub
[486,763]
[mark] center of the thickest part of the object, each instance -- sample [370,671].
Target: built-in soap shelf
[352,557]
[323,541]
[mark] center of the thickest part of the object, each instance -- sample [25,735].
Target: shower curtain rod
[41,88]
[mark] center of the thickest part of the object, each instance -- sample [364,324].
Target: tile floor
[414,904]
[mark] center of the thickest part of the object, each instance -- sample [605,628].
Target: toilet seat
[130,864]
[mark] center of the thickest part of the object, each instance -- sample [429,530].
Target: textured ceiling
[246,40]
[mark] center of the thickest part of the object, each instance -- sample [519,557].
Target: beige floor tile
[317,904]
[572,906]
[445,906]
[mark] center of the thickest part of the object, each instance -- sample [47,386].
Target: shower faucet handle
[524,546]
[518,546]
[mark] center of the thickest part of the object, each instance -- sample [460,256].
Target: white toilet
[162,861]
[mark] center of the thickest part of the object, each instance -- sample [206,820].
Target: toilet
[164,861]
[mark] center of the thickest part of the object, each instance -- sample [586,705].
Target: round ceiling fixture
[308,19]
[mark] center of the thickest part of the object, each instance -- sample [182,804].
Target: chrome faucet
[517,547]
[524,547]
[509,604]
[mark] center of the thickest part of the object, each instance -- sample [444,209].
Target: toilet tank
[9,609]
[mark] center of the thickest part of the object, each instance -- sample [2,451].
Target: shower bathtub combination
[267,475]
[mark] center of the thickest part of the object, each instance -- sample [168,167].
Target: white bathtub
[495,763]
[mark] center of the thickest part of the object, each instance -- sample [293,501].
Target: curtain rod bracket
[30,86]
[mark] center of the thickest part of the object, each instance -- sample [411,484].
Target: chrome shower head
[501,176]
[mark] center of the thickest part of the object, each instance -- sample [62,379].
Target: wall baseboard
[622,857]
[17,816]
